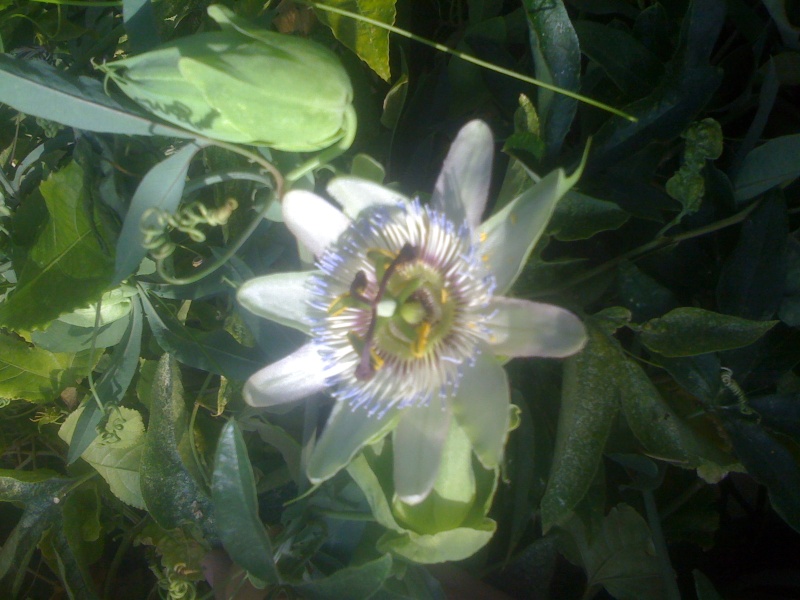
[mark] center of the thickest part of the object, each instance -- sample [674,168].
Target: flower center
[401,302]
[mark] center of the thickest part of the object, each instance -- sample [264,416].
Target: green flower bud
[244,85]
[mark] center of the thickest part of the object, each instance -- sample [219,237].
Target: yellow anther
[513,218]
[482,237]
[444,295]
[421,343]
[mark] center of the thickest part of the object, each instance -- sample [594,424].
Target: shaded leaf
[589,403]
[36,490]
[161,188]
[578,217]
[171,493]
[753,277]
[688,331]
[621,556]
[67,266]
[215,351]
[779,412]
[771,463]
[769,165]
[350,583]
[626,61]
[557,60]
[233,492]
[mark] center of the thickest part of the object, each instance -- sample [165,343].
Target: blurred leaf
[688,331]
[621,557]
[779,412]
[589,403]
[63,337]
[770,462]
[115,453]
[233,492]
[579,217]
[39,89]
[704,588]
[625,60]
[370,43]
[67,266]
[557,60]
[140,25]
[703,143]
[36,491]
[769,165]
[37,375]
[754,275]
[162,188]
[214,351]
[350,583]
[171,493]
[789,311]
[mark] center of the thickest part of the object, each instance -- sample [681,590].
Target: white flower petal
[313,221]
[507,238]
[524,328]
[481,407]
[282,297]
[356,194]
[290,379]
[417,443]
[463,184]
[346,432]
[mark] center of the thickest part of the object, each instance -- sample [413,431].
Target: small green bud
[244,85]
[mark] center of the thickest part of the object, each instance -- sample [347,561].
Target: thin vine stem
[659,243]
[471,59]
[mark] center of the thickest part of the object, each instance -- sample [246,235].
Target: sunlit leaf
[67,266]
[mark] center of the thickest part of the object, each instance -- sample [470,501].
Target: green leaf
[37,491]
[233,492]
[557,58]
[659,428]
[161,188]
[690,331]
[116,453]
[351,583]
[579,217]
[773,464]
[37,375]
[589,403]
[36,88]
[453,544]
[626,61]
[171,492]
[779,412]
[67,266]
[63,337]
[370,43]
[753,277]
[621,557]
[214,351]
[769,165]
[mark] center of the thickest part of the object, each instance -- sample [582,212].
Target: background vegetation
[661,462]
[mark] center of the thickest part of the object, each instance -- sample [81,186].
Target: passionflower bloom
[406,314]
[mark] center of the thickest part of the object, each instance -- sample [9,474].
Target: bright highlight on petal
[292,378]
[313,221]
[524,328]
[282,297]
[356,195]
[463,185]
[418,441]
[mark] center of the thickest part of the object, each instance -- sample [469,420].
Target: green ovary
[424,313]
